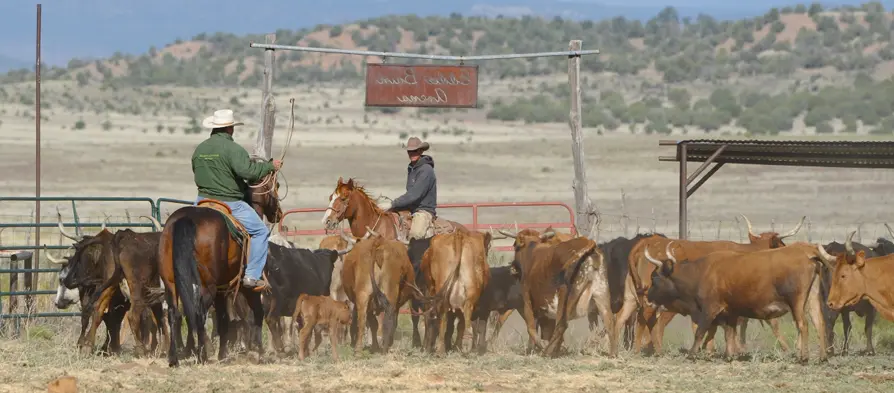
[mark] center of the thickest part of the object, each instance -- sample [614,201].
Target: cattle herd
[633,286]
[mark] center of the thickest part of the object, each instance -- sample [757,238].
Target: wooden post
[264,143]
[585,217]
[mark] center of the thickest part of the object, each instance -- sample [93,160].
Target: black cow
[617,252]
[292,272]
[502,294]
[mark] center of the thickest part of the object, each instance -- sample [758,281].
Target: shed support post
[684,232]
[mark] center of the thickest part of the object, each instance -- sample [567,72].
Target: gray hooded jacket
[422,188]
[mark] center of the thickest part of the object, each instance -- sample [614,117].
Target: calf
[502,295]
[292,272]
[377,277]
[312,311]
[857,277]
[455,264]
[724,285]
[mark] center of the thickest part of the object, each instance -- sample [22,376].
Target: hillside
[677,49]
[796,68]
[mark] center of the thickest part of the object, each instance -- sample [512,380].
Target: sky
[99,28]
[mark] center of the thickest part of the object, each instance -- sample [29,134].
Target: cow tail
[186,273]
[574,273]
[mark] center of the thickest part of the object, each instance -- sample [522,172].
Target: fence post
[719,224]
[809,234]
[74,212]
[625,219]
[739,228]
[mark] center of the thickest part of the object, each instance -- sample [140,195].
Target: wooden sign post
[426,85]
[586,219]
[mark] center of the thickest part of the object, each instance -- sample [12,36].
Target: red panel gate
[474,208]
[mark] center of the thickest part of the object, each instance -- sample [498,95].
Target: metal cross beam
[421,56]
[686,180]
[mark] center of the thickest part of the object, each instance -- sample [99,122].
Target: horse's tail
[186,272]
[379,297]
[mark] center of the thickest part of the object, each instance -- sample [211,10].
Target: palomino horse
[350,201]
[201,261]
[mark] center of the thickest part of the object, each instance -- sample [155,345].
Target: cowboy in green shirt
[222,170]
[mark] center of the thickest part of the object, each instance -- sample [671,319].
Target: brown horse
[350,201]
[201,261]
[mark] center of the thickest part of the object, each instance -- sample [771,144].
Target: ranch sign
[423,85]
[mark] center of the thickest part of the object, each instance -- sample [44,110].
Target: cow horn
[652,260]
[369,230]
[493,236]
[62,227]
[890,231]
[52,259]
[103,227]
[346,250]
[669,252]
[827,259]
[794,231]
[747,222]
[547,235]
[155,223]
[348,239]
[848,245]
[507,234]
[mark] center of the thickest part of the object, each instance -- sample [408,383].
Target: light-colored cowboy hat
[221,118]
[415,143]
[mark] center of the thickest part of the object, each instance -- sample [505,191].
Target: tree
[815,9]
[679,97]
[724,100]
[824,128]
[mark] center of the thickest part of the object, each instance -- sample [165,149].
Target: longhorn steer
[723,286]
[558,284]
[97,268]
[455,265]
[856,277]
[641,269]
[863,308]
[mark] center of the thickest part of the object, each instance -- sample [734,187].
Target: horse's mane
[369,198]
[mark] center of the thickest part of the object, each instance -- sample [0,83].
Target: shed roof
[840,154]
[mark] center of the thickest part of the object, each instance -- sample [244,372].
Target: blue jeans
[259,233]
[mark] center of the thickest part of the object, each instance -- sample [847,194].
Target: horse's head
[338,203]
[265,197]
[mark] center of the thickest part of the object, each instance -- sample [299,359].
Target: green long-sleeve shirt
[221,167]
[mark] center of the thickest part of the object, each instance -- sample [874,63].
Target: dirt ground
[43,353]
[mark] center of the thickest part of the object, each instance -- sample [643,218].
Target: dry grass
[47,351]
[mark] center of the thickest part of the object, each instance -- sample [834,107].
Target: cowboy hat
[220,118]
[415,143]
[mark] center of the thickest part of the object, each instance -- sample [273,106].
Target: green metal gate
[24,253]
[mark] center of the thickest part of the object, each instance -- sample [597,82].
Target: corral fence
[22,277]
[20,273]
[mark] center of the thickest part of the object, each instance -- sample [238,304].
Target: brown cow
[650,322]
[558,284]
[377,277]
[726,285]
[856,277]
[455,265]
[313,311]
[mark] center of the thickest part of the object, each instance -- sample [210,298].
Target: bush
[80,125]
[824,128]
[106,125]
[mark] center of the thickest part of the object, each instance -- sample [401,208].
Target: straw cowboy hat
[415,143]
[221,118]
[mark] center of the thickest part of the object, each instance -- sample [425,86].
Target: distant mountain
[99,28]
[8,64]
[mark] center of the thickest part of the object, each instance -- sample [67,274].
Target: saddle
[403,219]
[236,229]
